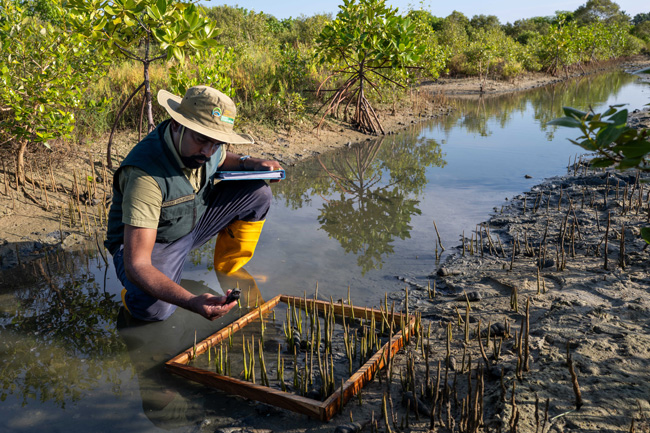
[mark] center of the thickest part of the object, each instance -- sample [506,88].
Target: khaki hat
[206,111]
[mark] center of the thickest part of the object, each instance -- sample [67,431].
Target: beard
[194,161]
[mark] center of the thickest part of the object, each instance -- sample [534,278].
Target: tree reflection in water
[57,332]
[378,182]
[476,114]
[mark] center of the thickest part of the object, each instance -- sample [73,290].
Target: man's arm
[138,245]
[231,163]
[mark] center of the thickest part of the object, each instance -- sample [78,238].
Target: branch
[344,57]
[323,83]
[375,88]
[7,141]
[109,162]
[145,28]
[162,56]
[388,79]
[128,54]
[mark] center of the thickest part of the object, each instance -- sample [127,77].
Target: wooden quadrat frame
[324,410]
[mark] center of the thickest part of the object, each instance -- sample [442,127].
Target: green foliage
[369,33]
[453,34]
[607,134]
[367,42]
[144,31]
[605,11]
[294,67]
[567,44]
[642,31]
[271,66]
[525,30]
[433,58]
[274,62]
[210,68]
[240,27]
[487,46]
[557,49]
[641,18]
[485,22]
[122,25]
[302,30]
[45,68]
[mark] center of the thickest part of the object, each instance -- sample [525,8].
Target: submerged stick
[438,234]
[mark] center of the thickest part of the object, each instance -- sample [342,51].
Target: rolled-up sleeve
[142,198]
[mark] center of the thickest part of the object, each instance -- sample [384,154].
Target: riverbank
[601,314]
[34,218]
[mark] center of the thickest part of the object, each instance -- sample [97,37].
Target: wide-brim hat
[206,111]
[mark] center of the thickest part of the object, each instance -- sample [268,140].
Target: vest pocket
[176,218]
[177,201]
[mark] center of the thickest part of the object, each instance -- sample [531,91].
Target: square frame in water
[324,410]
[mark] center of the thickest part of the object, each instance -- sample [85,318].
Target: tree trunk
[147,87]
[109,146]
[357,113]
[20,164]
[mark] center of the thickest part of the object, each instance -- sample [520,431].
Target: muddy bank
[30,217]
[575,288]
[581,268]
[472,87]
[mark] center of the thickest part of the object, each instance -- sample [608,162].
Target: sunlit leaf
[568,122]
[645,234]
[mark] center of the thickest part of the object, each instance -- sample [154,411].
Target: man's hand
[211,307]
[252,164]
[266,165]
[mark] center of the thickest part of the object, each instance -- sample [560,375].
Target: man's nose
[209,149]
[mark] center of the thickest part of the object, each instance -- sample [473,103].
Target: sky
[505,10]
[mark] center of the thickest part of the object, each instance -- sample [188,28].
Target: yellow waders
[124,300]
[235,245]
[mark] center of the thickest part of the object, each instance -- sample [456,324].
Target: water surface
[354,219]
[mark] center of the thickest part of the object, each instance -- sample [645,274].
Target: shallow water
[354,219]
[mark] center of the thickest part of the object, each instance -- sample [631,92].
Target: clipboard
[250,175]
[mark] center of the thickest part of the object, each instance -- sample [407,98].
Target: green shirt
[142,196]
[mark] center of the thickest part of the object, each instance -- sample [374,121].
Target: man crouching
[167,202]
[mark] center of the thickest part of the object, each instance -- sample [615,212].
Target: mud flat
[581,269]
[552,338]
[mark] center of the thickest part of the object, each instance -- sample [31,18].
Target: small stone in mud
[445,272]
[548,263]
[414,402]
[452,363]
[471,297]
[496,330]
[349,428]
[314,394]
